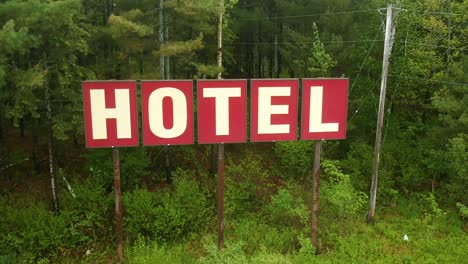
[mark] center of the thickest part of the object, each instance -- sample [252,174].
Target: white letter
[315,115]
[222,96]
[121,112]
[266,109]
[156,115]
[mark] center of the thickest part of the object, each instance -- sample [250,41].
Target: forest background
[56,197]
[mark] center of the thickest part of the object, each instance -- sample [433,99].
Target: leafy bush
[143,252]
[166,216]
[288,209]
[134,163]
[339,194]
[32,233]
[231,254]
[295,158]
[463,210]
[89,210]
[358,164]
[256,234]
[245,185]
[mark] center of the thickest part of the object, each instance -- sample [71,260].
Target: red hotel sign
[111,115]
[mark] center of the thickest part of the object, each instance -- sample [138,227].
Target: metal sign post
[220,196]
[118,203]
[315,194]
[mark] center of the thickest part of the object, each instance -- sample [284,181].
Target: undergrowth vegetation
[267,220]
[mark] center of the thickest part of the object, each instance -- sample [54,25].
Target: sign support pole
[118,204]
[315,195]
[220,196]
[220,146]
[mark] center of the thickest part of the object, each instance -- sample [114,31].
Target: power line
[300,42]
[307,15]
[428,80]
[343,41]
[431,12]
[365,59]
[433,46]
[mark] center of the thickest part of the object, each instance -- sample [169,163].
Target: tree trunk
[35,149]
[1,125]
[167,66]
[21,127]
[55,198]
[275,62]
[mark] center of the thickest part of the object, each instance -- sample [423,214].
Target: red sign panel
[274,110]
[110,113]
[167,112]
[324,107]
[222,111]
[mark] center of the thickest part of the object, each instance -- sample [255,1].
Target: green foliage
[134,164]
[180,47]
[463,210]
[246,185]
[358,164]
[15,40]
[287,209]
[142,252]
[338,192]
[48,47]
[307,249]
[256,235]
[122,25]
[448,165]
[34,232]
[231,254]
[88,212]
[166,216]
[320,62]
[295,158]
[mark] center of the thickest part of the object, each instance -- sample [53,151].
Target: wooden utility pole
[118,204]
[315,195]
[220,146]
[389,32]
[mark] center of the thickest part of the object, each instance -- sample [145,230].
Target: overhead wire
[344,41]
[428,80]
[306,15]
[365,59]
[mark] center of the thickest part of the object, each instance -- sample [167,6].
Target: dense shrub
[89,211]
[32,233]
[134,163]
[168,215]
[286,208]
[340,196]
[144,253]
[256,234]
[295,158]
[246,185]
[231,254]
